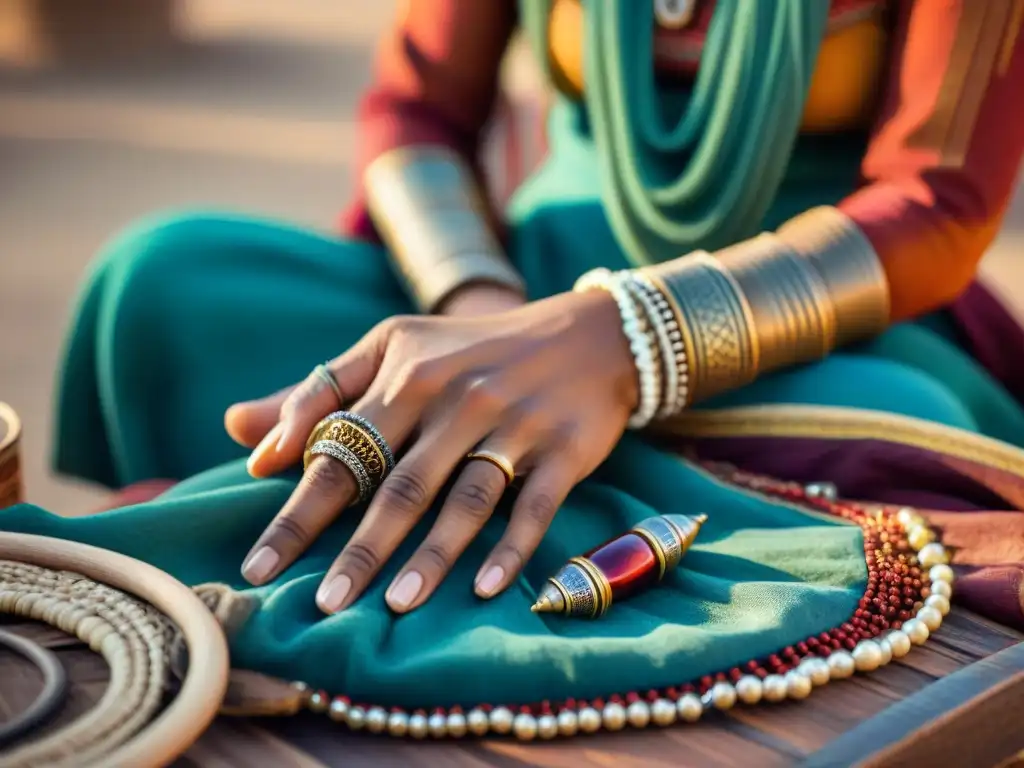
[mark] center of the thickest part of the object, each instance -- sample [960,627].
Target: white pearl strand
[811,672]
[675,365]
[645,354]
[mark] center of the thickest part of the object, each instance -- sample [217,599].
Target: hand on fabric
[549,386]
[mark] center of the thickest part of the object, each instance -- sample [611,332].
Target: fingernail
[405,590]
[268,443]
[260,566]
[331,595]
[489,581]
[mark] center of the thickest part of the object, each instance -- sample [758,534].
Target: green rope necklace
[701,173]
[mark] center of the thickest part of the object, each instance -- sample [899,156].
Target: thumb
[249,422]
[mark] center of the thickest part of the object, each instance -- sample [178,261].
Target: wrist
[475,299]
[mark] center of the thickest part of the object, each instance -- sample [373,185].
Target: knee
[161,241]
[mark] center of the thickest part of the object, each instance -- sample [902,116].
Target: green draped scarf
[701,170]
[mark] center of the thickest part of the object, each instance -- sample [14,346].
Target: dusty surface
[253,115]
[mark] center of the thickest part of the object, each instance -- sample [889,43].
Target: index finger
[327,487]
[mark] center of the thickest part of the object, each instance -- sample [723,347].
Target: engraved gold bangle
[719,331]
[788,300]
[851,271]
[430,213]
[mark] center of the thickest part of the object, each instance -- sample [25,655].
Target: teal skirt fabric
[183,315]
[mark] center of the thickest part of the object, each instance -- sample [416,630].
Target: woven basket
[10,460]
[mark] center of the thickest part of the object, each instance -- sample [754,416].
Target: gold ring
[497,460]
[324,373]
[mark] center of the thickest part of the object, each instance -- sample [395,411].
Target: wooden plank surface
[765,735]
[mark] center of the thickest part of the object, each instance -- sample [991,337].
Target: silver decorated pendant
[674,14]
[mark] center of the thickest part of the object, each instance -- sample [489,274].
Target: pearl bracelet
[643,347]
[670,339]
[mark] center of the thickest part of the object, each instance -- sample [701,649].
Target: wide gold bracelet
[430,214]
[776,300]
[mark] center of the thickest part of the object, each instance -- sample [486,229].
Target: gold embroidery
[840,423]
[980,33]
[1010,40]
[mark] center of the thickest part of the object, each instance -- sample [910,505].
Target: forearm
[435,81]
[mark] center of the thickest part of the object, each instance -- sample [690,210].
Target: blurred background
[153,104]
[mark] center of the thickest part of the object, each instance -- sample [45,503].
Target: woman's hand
[549,386]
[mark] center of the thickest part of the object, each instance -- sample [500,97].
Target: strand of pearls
[688,705]
[635,326]
[675,365]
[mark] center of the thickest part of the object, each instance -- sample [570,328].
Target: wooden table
[958,701]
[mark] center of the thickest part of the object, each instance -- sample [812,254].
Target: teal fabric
[699,168]
[185,314]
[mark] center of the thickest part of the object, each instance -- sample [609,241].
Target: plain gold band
[497,460]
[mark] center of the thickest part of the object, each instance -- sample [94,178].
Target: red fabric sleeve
[946,151]
[435,80]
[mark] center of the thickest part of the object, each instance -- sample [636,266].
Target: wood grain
[955,698]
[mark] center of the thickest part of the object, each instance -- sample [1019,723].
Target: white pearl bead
[547,726]
[917,631]
[477,722]
[589,720]
[317,702]
[886,649]
[418,726]
[689,708]
[501,720]
[826,491]
[941,572]
[932,554]
[722,696]
[748,689]
[613,717]
[840,665]
[376,719]
[338,710]
[930,617]
[525,727]
[398,724]
[638,714]
[797,686]
[939,603]
[457,725]
[355,717]
[773,688]
[919,536]
[816,670]
[663,712]
[898,641]
[437,724]
[867,656]
[568,722]
[908,518]
[942,588]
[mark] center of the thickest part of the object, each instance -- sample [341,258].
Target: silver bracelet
[641,344]
[673,355]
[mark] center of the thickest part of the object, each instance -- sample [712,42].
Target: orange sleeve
[435,78]
[944,156]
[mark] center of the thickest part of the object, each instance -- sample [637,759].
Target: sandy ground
[253,115]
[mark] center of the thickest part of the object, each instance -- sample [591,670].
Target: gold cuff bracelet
[775,300]
[426,205]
